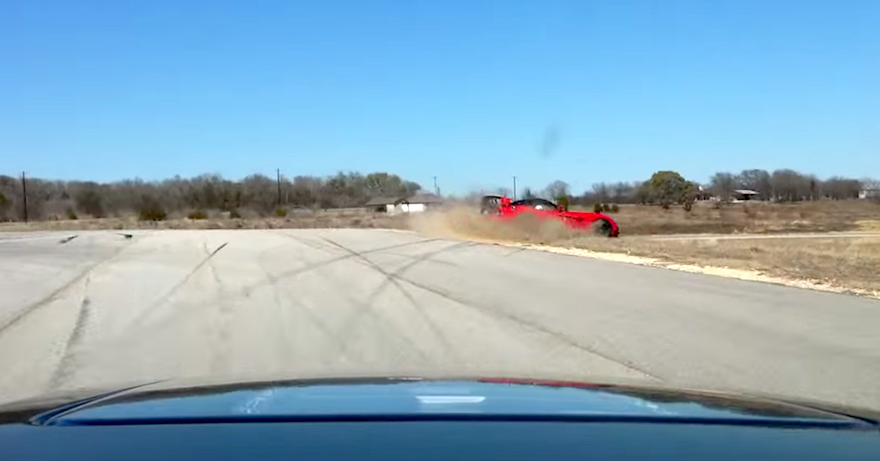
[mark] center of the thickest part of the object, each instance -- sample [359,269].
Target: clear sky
[470,91]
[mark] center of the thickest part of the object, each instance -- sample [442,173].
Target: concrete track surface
[101,309]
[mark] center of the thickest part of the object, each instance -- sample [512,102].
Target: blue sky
[470,91]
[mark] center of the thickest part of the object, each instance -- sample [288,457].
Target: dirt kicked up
[847,263]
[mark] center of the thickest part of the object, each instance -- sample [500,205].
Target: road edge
[727,272]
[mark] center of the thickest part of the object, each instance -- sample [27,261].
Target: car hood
[409,398]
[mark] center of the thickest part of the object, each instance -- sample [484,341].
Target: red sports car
[505,208]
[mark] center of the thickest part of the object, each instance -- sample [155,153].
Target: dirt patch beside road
[847,264]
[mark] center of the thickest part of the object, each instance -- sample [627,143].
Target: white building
[414,204]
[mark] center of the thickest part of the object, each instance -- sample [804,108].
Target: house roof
[746,192]
[425,198]
[417,198]
[376,201]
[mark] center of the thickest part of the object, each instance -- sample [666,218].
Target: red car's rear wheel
[602,227]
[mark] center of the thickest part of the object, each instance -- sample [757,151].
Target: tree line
[256,193]
[668,187]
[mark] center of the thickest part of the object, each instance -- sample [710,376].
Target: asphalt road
[102,309]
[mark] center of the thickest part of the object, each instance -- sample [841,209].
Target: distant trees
[723,185]
[557,189]
[783,185]
[786,185]
[668,187]
[88,199]
[181,196]
[756,180]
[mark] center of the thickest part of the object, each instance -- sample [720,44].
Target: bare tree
[756,180]
[557,189]
[601,192]
[722,185]
[838,188]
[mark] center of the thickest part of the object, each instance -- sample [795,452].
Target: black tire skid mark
[245,291]
[492,312]
[335,246]
[58,291]
[363,309]
[164,298]
[67,366]
[393,278]
[221,353]
[67,239]
[315,320]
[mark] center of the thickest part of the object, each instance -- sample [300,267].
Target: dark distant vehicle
[418,419]
[504,208]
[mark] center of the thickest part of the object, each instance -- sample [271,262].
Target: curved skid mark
[365,308]
[391,278]
[58,292]
[164,298]
[320,325]
[294,272]
[530,325]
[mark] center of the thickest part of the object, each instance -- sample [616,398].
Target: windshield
[671,192]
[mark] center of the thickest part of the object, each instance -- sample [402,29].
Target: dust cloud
[465,223]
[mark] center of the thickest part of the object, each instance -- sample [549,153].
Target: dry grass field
[305,220]
[844,262]
[749,217]
[849,263]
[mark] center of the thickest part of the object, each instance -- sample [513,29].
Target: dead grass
[311,220]
[848,263]
[844,262]
[752,217]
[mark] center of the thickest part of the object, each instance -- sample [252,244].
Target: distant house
[744,195]
[413,204]
[869,193]
[701,194]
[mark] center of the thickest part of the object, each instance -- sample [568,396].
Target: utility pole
[514,188]
[436,190]
[24,196]
[278,182]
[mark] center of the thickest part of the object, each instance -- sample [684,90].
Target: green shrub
[597,208]
[606,207]
[280,212]
[615,208]
[197,214]
[70,213]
